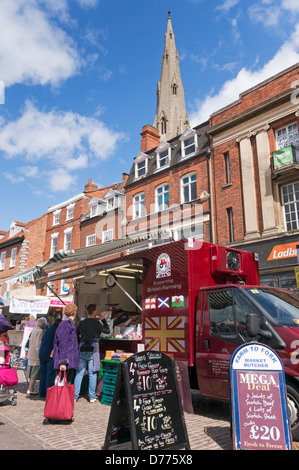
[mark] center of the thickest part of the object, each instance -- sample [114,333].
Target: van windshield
[281,305]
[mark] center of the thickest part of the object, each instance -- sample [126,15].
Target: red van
[196,304]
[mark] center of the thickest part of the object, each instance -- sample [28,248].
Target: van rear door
[222,316]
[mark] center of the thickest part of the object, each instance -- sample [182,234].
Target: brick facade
[178,215]
[269,91]
[227,195]
[247,133]
[82,224]
[29,243]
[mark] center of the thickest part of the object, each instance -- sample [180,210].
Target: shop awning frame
[82,261]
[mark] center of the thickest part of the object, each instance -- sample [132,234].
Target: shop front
[278,261]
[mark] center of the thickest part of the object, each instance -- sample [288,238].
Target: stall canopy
[24,276]
[75,263]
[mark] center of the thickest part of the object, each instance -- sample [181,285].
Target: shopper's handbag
[60,401]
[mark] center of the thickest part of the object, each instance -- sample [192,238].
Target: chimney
[125,178]
[150,138]
[90,186]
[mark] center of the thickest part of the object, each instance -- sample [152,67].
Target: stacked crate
[110,370]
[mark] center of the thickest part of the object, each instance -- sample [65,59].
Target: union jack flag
[165,274]
[165,334]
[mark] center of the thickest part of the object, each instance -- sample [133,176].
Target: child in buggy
[8,377]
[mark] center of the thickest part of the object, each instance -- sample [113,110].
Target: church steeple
[171,116]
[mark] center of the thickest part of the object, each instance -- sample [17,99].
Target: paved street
[208,428]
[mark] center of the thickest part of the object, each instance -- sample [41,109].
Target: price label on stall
[260,418]
[147,409]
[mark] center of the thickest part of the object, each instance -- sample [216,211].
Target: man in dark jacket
[47,371]
[89,332]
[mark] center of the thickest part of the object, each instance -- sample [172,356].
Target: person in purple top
[66,351]
[4,325]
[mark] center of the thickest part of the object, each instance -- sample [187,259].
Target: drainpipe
[209,191]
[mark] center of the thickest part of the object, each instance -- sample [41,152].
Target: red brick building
[86,219]
[167,191]
[106,211]
[255,166]
[21,249]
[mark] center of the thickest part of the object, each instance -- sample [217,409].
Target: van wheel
[293,407]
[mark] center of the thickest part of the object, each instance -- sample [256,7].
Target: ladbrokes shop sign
[278,256]
[284,251]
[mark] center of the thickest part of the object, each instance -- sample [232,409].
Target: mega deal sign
[260,418]
[287,250]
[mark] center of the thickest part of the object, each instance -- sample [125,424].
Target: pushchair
[8,377]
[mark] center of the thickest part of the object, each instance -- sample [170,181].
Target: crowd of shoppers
[63,347]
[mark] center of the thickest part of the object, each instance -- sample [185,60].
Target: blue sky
[80,78]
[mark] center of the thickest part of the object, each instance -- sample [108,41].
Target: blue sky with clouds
[80,80]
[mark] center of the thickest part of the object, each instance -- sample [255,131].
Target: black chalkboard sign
[146,412]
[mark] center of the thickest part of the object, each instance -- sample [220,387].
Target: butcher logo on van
[163,266]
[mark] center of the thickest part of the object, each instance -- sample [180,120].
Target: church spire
[171,116]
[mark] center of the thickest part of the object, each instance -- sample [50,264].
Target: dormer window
[163,155]
[97,207]
[93,210]
[188,143]
[141,168]
[113,199]
[141,165]
[14,229]
[110,203]
[163,158]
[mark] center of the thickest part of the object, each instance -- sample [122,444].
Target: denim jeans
[86,363]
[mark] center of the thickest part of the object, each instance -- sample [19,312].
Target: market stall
[117,292]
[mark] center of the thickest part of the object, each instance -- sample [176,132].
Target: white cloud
[227,5]
[87,3]
[269,16]
[12,178]
[61,180]
[292,5]
[287,55]
[29,171]
[33,49]
[63,141]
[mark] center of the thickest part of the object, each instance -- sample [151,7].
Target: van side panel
[173,274]
[165,300]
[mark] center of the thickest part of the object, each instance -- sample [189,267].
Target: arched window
[174,89]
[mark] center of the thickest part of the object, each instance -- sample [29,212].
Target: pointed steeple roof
[171,116]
